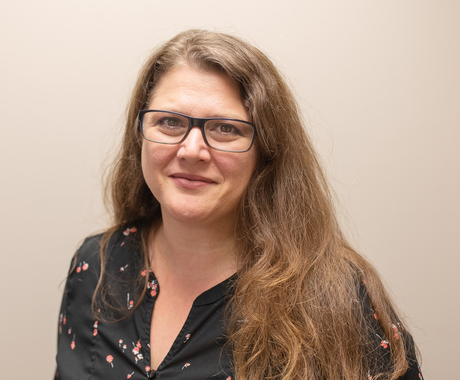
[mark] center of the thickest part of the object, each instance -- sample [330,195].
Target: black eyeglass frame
[195,122]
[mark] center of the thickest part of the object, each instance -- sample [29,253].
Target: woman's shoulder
[115,244]
[89,249]
[115,254]
[109,240]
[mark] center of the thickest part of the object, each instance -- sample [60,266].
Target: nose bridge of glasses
[196,123]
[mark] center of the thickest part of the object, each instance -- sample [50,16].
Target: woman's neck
[191,255]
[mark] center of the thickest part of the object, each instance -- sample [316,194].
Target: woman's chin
[191,213]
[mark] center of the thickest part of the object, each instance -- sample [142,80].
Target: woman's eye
[169,122]
[227,129]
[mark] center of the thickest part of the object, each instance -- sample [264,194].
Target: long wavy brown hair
[294,313]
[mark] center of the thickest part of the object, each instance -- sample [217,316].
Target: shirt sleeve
[80,284]
[413,372]
[62,318]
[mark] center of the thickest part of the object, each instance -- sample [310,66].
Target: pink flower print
[78,268]
[109,358]
[84,266]
[129,375]
[69,331]
[122,269]
[129,303]
[229,378]
[396,335]
[138,344]
[72,345]
[186,365]
[138,357]
[124,348]
[129,230]
[187,337]
[369,377]
[147,369]
[151,284]
[120,342]
[64,320]
[375,314]
[419,372]
[95,328]
[384,343]
[153,292]
[144,273]
[135,350]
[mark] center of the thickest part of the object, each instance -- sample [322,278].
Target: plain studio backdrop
[378,83]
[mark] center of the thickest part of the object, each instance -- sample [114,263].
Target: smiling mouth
[192,178]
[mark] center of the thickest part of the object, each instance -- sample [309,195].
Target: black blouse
[91,349]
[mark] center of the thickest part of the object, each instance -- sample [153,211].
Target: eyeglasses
[166,127]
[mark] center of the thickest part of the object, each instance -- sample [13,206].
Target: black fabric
[91,349]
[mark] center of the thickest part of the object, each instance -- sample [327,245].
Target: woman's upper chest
[190,339]
[169,315]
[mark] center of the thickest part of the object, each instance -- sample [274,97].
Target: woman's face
[191,181]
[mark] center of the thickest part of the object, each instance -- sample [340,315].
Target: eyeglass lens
[170,128]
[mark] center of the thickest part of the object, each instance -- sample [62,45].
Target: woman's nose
[194,148]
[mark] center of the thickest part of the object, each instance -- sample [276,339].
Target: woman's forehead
[198,93]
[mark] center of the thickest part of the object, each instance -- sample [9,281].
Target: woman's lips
[189,181]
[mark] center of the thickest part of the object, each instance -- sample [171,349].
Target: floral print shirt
[92,349]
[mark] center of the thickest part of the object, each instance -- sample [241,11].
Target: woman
[225,259]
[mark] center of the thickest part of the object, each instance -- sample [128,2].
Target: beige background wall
[378,80]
